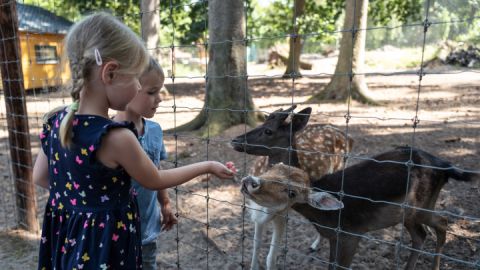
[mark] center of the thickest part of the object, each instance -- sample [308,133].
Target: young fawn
[316,149]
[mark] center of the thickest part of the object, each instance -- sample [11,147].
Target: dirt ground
[449,113]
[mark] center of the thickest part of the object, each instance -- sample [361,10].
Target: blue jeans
[149,256]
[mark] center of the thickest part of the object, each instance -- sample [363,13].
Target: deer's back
[320,149]
[375,189]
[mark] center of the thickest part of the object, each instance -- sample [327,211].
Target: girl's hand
[230,165]
[219,170]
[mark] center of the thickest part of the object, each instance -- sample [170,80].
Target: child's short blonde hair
[155,66]
[99,38]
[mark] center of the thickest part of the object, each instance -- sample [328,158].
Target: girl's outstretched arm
[40,170]
[120,147]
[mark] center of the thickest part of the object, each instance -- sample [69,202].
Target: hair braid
[103,33]
[78,80]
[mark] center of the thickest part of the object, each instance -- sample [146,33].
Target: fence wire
[236,229]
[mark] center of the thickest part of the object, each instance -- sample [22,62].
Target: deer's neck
[284,157]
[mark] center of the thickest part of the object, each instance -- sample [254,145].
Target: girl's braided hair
[99,35]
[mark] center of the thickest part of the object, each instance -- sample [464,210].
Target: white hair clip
[98,57]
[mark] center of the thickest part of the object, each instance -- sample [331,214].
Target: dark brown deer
[373,194]
[317,149]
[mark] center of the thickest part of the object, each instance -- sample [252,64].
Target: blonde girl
[87,160]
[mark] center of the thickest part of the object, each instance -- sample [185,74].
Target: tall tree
[297,19]
[296,42]
[150,21]
[226,94]
[351,58]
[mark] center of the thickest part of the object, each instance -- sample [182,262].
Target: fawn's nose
[251,183]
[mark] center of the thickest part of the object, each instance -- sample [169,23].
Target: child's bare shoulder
[116,146]
[118,138]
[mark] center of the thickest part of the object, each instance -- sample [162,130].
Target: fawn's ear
[324,201]
[300,119]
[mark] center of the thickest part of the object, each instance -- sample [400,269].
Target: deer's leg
[257,242]
[342,257]
[261,219]
[440,225]
[418,235]
[279,224]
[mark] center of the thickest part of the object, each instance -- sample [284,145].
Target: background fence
[423,102]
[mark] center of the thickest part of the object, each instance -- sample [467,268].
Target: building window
[46,54]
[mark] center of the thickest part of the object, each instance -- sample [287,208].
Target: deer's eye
[268,132]
[291,193]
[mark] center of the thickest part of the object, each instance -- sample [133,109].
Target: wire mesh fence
[423,104]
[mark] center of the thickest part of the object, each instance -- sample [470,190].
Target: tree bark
[17,117]
[227,100]
[150,21]
[296,43]
[351,58]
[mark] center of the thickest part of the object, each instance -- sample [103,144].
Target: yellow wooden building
[41,35]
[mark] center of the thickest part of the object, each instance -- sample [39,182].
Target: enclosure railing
[18,130]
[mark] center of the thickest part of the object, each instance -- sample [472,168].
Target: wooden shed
[41,36]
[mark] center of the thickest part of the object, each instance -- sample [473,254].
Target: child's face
[146,101]
[122,90]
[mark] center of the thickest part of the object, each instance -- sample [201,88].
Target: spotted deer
[317,149]
[401,185]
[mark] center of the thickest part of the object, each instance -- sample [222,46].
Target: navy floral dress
[91,219]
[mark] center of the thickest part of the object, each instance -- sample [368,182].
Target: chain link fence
[427,106]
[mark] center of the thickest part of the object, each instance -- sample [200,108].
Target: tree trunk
[17,117]
[227,100]
[350,60]
[150,20]
[296,43]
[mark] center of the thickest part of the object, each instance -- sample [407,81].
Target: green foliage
[184,22]
[384,11]
[450,20]
[461,19]
[128,10]
[472,36]
[276,20]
